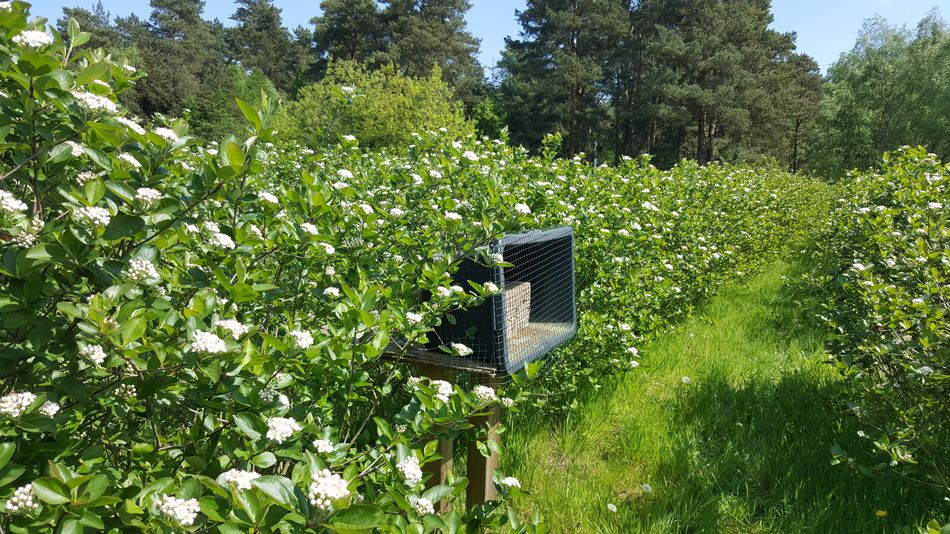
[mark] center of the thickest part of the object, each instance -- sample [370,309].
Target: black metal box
[535,311]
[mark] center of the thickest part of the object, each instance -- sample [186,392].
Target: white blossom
[167,134]
[443,390]
[507,402]
[686,380]
[345,174]
[326,488]
[94,102]
[95,353]
[131,124]
[130,159]
[233,326]
[208,342]
[221,240]
[424,506]
[328,249]
[302,338]
[323,446]
[491,287]
[396,212]
[331,292]
[141,269]
[413,318]
[469,155]
[15,404]
[84,177]
[281,428]
[32,38]
[22,500]
[410,470]
[511,482]
[461,349]
[147,195]
[485,393]
[182,511]
[240,478]
[268,197]
[523,209]
[453,216]
[10,204]
[309,228]
[612,507]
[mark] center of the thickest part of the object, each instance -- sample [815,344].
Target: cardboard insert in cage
[534,313]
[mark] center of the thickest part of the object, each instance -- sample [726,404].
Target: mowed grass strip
[740,445]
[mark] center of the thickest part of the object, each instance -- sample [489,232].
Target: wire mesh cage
[535,311]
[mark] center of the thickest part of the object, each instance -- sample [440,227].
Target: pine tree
[348,30]
[260,41]
[98,22]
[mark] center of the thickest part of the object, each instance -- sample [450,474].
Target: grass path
[744,448]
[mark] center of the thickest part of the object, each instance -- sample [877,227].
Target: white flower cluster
[309,228]
[491,287]
[10,204]
[233,326]
[453,216]
[268,197]
[461,349]
[84,177]
[413,318]
[409,467]
[141,269]
[326,488]
[94,102]
[131,124]
[22,500]
[49,409]
[93,215]
[332,292]
[14,404]
[6,6]
[208,342]
[240,478]
[424,506]
[32,38]
[469,155]
[522,209]
[182,511]
[443,390]
[222,240]
[94,353]
[147,195]
[485,393]
[167,134]
[302,338]
[511,482]
[281,428]
[129,159]
[323,446]
[127,391]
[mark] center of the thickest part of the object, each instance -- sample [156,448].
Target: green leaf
[264,460]
[122,226]
[360,517]
[235,156]
[250,113]
[243,293]
[50,491]
[249,425]
[278,488]
[6,452]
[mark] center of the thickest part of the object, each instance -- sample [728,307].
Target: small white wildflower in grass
[141,269]
[94,353]
[32,38]
[309,228]
[129,159]
[331,292]
[485,393]
[268,197]
[612,507]
[410,470]
[453,216]
[222,241]
[424,506]
[687,380]
[181,511]
[94,102]
[634,364]
[323,446]
[167,134]
[460,349]
[633,351]
[240,478]
[326,488]
[208,342]
[232,326]
[302,339]
[14,404]
[22,500]
[646,488]
[281,428]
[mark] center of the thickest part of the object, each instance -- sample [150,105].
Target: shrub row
[191,333]
[884,272]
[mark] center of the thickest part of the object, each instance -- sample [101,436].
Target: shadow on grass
[758,458]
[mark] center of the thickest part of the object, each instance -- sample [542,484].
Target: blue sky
[825,28]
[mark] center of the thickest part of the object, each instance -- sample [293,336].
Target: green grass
[744,448]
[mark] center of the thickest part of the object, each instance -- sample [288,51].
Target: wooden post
[481,487]
[441,468]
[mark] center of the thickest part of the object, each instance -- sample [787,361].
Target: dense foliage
[381,108]
[884,273]
[889,91]
[191,333]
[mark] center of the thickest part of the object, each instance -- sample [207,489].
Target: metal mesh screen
[533,314]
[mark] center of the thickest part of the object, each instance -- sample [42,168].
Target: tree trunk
[701,136]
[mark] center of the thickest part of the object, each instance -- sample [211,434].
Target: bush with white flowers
[884,276]
[183,323]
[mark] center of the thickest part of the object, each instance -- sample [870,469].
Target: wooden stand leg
[441,468]
[481,487]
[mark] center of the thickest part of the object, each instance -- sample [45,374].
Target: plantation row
[192,333]
[885,276]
